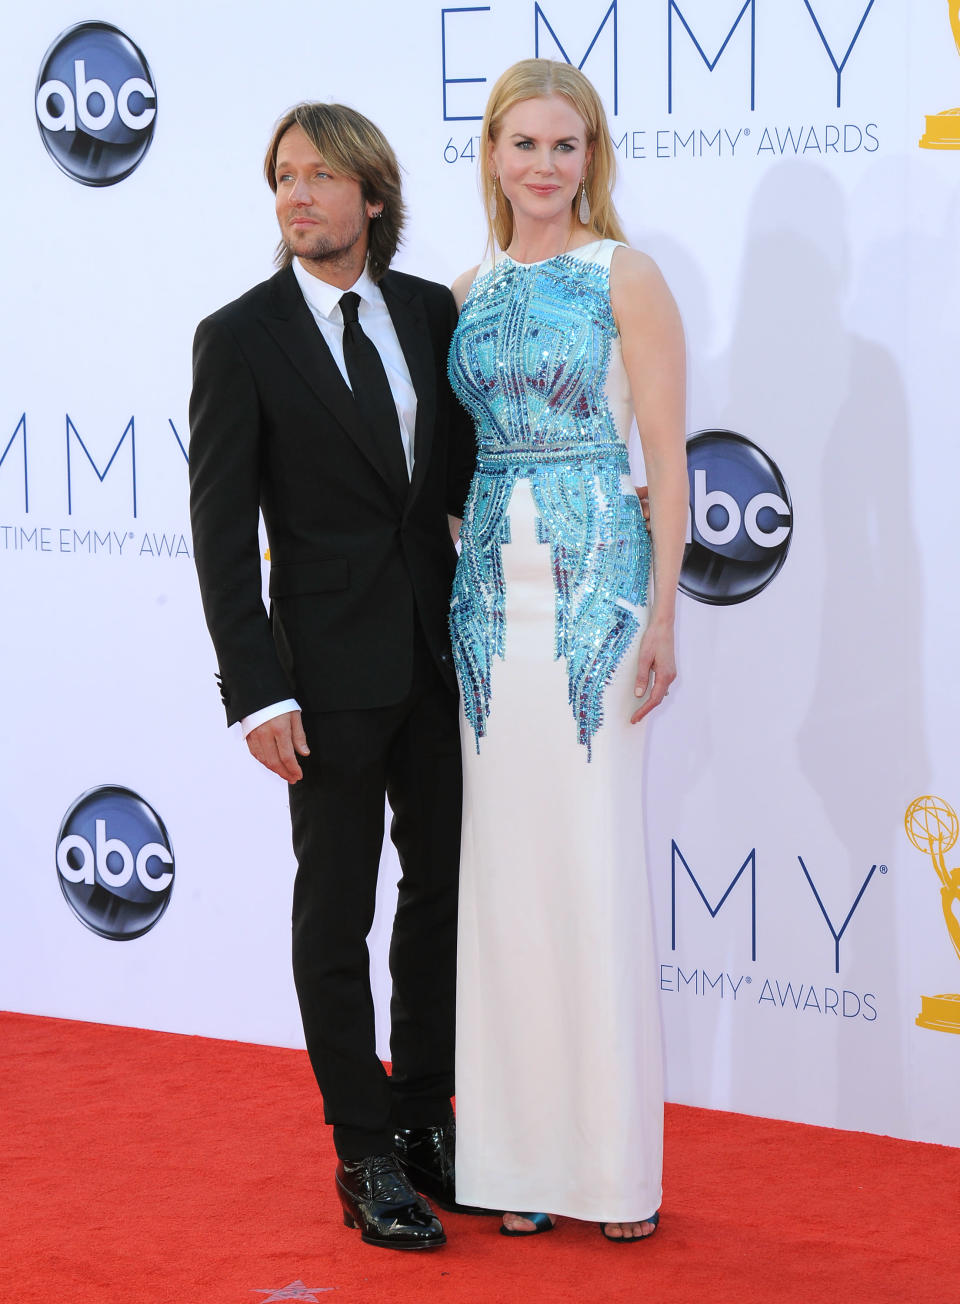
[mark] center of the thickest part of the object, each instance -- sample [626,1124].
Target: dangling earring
[583,212]
[492,205]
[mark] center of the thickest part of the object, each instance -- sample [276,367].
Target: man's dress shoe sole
[387,1243]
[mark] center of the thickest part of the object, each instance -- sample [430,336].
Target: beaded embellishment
[529,361]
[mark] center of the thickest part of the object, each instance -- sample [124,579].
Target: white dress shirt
[323,300]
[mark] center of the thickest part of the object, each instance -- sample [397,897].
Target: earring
[583,212]
[492,205]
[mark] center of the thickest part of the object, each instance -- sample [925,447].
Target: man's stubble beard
[333,249]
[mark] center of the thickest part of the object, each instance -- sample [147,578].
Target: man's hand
[277,744]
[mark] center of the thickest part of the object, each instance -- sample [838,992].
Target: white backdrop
[812,247]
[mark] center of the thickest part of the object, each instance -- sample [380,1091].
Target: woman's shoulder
[634,274]
[461,286]
[618,257]
[638,290]
[632,264]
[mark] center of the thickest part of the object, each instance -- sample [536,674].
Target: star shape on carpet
[296,1290]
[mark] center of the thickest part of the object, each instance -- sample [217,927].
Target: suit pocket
[326,575]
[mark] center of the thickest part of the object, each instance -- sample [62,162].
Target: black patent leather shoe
[427,1156]
[378,1198]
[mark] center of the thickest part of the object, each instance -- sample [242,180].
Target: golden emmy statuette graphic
[932,826]
[943,129]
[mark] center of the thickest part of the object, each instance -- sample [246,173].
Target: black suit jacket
[273,428]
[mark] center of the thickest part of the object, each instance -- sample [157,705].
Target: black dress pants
[409,753]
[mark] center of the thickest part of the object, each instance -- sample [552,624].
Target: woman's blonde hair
[354,147]
[533,79]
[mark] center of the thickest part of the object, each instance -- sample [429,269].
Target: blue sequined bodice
[529,360]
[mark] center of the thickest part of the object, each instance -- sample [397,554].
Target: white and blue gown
[558,1068]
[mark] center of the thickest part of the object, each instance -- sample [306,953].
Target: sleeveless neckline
[567,253]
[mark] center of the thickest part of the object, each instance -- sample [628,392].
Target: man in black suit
[320,399]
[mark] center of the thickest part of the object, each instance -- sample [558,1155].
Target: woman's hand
[656,668]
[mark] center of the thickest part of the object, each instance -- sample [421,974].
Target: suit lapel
[291,324]
[410,323]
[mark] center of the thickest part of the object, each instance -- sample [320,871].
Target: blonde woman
[563,634]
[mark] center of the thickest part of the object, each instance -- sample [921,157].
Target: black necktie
[372,395]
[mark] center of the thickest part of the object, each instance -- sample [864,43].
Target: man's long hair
[353,147]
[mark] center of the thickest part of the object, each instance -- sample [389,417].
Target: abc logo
[115,863]
[96,104]
[740,519]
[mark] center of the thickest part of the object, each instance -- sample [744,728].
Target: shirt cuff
[250,722]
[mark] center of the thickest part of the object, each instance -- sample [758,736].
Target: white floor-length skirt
[559,1075]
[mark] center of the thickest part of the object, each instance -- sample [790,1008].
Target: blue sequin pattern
[529,360]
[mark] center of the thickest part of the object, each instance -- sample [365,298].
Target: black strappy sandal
[542,1222]
[619,1240]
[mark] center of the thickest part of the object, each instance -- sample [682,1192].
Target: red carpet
[145,1168]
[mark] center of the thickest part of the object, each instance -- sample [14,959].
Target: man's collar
[324,298]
